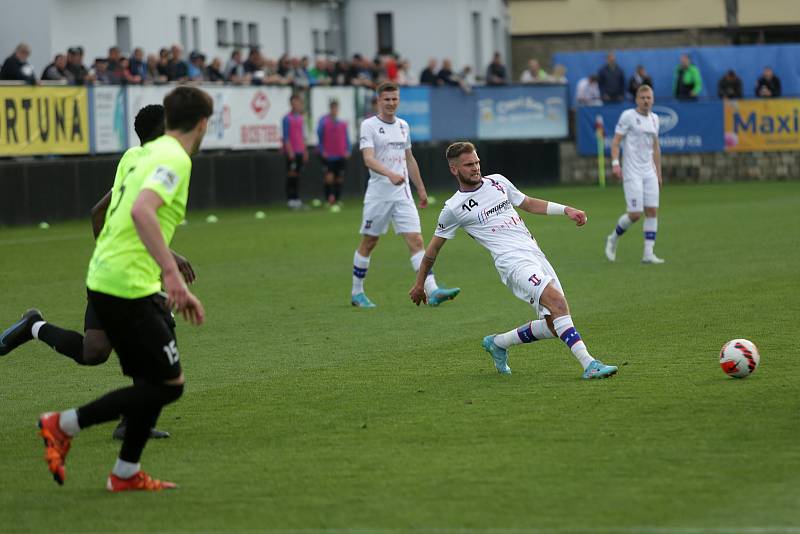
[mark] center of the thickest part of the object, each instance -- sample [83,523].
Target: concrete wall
[25,25]
[769,12]
[570,16]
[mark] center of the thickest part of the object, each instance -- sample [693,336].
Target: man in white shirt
[484,208]
[385,144]
[587,92]
[637,131]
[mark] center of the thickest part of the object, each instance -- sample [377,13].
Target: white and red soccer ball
[739,358]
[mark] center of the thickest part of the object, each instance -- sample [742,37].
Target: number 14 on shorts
[171,351]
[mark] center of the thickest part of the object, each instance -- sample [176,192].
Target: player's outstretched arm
[145,220]
[99,214]
[372,163]
[544,207]
[416,177]
[417,292]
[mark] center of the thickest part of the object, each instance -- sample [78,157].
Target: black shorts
[294,164]
[142,332]
[334,166]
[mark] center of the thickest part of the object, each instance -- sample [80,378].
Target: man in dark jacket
[16,66]
[639,78]
[769,85]
[730,86]
[611,80]
[80,74]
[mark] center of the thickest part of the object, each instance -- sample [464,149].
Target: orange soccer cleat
[56,443]
[141,481]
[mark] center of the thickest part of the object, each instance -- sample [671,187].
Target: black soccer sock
[66,342]
[328,191]
[141,420]
[139,400]
[292,187]
[337,191]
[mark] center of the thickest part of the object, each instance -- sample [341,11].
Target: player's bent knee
[96,348]
[554,301]
[634,215]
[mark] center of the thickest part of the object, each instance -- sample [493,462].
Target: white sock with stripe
[566,331]
[650,229]
[623,224]
[527,333]
[360,266]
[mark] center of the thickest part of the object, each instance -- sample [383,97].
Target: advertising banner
[764,124]
[415,108]
[321,98]
[44,120]
[244,117]
[110,131]
[522,112]
[684,127]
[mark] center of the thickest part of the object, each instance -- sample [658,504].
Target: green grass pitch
[304,414]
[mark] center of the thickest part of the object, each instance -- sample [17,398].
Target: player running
[123,284]
[637,130]
[93,347]
[484,208]
[385,143]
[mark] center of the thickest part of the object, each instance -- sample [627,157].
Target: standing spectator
[177,69]
[57,70]
[359,72]
[127,76]
[138,65]
[446,75]
[196,68]
[496,71]
[428,75]
[16,66]
[234,69]
[769,85]
[100,71]
[339,75]
[298,73]
[404,76]
[80,74]
[214,71]
[687,82]
[559,74]
[113,66]
[334,148]
[730,86]
[639,78]
[534,73]
[587,92]
[611,80]
[294,148]
[163,63]
[319,74]
[254,61]
[153,75]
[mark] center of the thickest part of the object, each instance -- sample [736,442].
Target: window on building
[124,34]
[477,43]
[238,34]
[385,33]
[286,35]
[184,29]
[497,36]
[316,40]
[329,46]
[196,33]
[222,32]
[252,34]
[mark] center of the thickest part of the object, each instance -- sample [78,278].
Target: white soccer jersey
[640,132]
[390,142]
[487,215]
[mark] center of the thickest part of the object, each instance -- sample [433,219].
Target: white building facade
[466,31]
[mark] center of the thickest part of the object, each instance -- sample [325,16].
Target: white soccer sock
[68,422]
[125,469]
[360,266]
[566,331]
[650,229]
[36,327]
[430,280]
[623,224]
[527,333]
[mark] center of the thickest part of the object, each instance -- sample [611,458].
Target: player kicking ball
[637,131]
[484,208]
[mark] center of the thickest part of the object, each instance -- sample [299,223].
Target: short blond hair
[458,148]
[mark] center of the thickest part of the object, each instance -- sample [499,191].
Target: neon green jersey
[121,265]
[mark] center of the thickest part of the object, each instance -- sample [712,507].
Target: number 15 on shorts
[171,351]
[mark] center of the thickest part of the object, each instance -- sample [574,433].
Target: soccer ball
[739,358]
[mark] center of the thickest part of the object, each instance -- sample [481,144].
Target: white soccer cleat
[611,248]
[655,260]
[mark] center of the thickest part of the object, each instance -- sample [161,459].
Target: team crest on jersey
[166,177]
[497,185]
[367,224]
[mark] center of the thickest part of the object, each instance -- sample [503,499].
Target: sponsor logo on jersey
[486,214]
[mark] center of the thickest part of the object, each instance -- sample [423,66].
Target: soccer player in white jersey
[386,147]
[637,131]
[484,208]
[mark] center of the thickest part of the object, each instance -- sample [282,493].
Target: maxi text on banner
[684,127]
[763,124]
[522,112]
[44,120]
[415,109]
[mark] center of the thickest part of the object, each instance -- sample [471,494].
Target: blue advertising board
[522,112]
[685,127]
[415,109]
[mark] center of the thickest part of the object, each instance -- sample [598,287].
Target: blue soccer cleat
[598,369]
[500,356]
[361,301]
[442,294]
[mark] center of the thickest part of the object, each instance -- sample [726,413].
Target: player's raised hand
[184,267]
[418,295]
[578,216]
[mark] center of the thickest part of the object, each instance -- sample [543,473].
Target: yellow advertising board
[762,124]
[43,120]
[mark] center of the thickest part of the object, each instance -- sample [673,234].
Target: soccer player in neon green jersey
[129,264]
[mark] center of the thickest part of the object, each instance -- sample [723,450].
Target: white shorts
[402,214]
[528,280]
[641,192]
